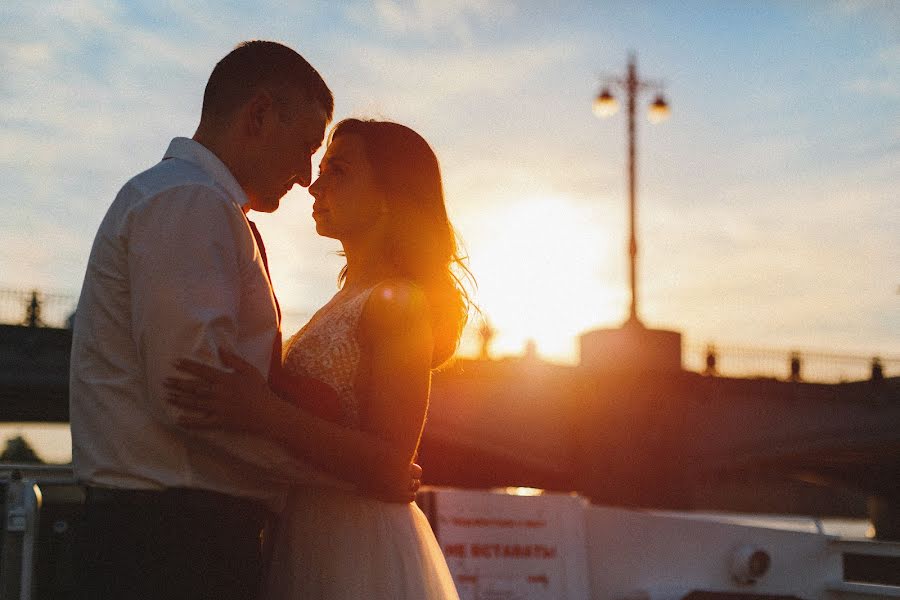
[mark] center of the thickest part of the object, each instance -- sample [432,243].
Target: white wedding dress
[333,544]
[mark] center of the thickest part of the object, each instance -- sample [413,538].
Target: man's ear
[257,110]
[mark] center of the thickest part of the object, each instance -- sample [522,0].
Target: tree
[18,450]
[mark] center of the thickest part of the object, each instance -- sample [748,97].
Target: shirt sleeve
[186,250]
[184,271]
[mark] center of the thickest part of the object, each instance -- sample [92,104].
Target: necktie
[311,394]
[275,363]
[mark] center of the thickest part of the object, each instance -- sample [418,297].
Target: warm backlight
[542,271]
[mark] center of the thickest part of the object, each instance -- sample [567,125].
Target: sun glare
[543,271]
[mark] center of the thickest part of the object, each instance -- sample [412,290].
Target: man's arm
[184,273]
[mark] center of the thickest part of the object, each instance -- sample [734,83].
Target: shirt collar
[198,154]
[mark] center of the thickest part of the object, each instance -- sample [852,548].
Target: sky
[768,211]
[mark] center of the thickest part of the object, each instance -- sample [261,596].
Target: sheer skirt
[334,545]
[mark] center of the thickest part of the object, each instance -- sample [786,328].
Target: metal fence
[799,365]
[40,309]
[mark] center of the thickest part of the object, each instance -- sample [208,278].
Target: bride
[398,314]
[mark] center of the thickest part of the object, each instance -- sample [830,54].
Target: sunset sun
[544,274]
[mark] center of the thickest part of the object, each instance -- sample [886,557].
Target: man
[177,270]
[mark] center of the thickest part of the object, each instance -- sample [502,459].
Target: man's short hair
[256,65]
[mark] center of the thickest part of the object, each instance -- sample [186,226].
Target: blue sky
[768,204]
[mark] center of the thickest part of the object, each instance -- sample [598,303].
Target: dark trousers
[175,544]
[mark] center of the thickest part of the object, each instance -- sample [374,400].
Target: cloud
[888,87]
[83,15]
[884,14]
[882,79]
[886,8]
[31,55]
[777,262]
[768,210]
[890,56]
[432,18]
[428,80]
[87,79]
[82,107]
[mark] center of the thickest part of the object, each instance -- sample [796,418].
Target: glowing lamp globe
[659,110]
[604,104]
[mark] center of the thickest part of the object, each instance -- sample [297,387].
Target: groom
[177,270]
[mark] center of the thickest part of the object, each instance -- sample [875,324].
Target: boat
[525,544]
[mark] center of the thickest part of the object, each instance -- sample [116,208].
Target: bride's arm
[395,334]
[377,467]
[396,339]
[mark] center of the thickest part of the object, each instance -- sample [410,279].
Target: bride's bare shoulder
[395,303]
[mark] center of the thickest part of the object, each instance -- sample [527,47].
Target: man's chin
[266,206]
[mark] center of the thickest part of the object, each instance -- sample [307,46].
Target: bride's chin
[324,232]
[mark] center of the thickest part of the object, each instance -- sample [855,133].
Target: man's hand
[404,493]
[415,477]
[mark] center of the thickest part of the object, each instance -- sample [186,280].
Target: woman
[398,315]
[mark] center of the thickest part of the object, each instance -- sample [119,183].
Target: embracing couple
[218,462]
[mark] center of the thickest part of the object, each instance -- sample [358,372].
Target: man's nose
[304,177]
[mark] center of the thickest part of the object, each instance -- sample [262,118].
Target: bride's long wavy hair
[421,244]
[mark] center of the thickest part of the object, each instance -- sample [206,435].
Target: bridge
[637,435]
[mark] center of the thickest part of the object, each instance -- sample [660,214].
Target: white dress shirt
[174,272]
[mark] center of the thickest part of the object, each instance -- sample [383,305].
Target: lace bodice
[326,348]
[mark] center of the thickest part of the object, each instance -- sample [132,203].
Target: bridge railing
[42,309]
[798,364]
[36,308]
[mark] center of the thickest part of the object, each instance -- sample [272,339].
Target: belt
[189,497]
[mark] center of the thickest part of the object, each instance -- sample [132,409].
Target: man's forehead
[313,117]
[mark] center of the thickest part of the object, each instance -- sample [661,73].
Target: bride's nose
[316,188]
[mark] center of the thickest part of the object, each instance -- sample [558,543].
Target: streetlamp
[605,105]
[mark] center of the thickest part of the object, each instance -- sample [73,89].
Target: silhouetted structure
[486,335]
[34,373]
[711,358]
[631,347]
[658,437]
[33,313]
[604,105]
[877,369]
[19,451]
[795,367]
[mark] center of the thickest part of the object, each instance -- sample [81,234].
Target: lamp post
[605,105]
